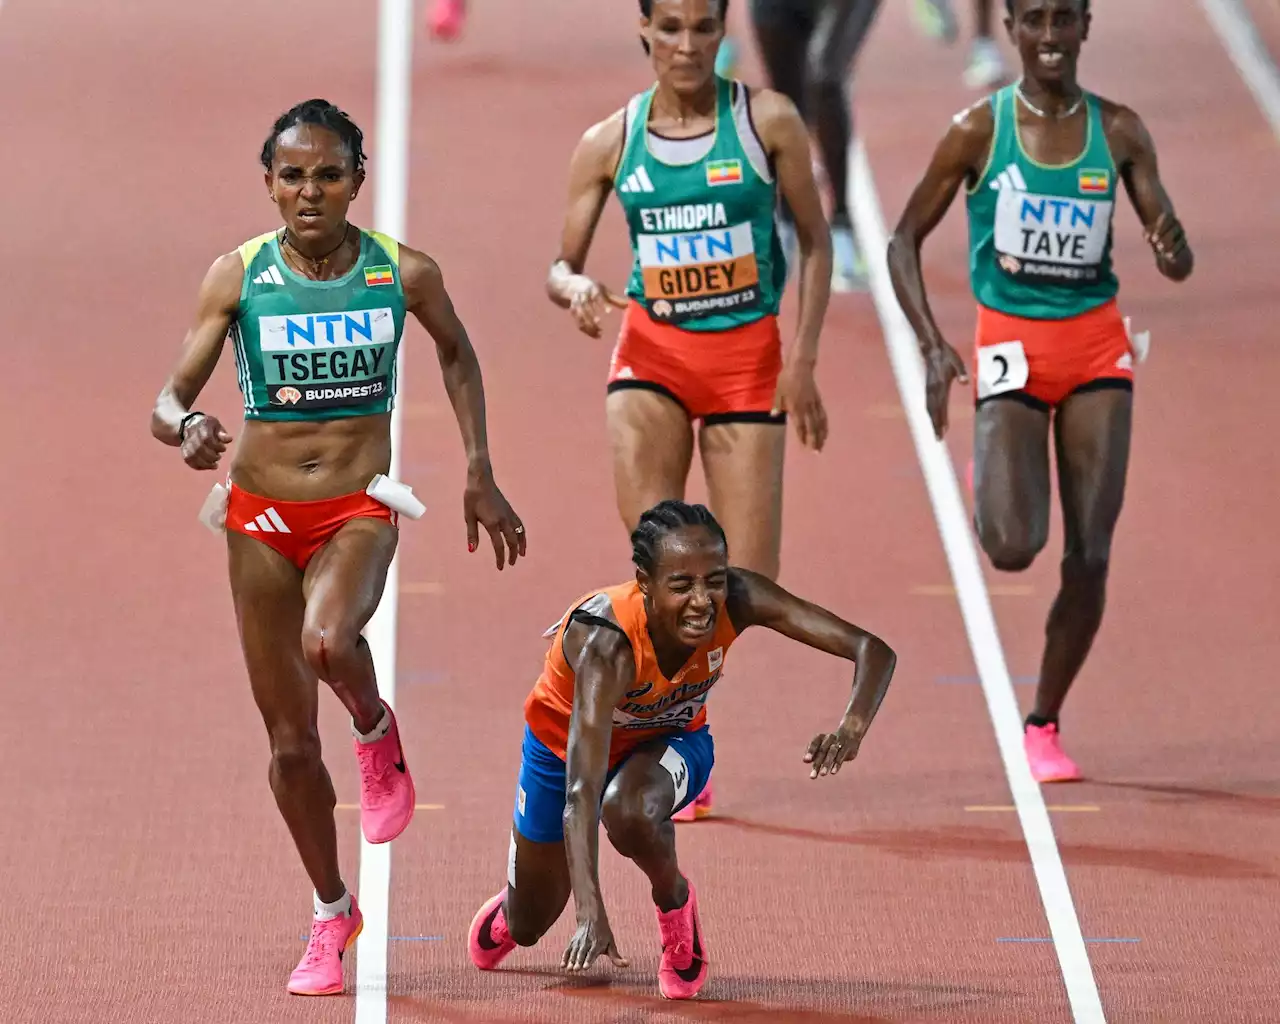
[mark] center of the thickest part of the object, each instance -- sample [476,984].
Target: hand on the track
[484,505]
[797,395]
[589,301]
[203,443]
[1167,238]
[942,365]
[828,751]
[593,938]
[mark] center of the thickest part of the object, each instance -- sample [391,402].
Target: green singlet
[315,350]
[707,255]
[1040,234]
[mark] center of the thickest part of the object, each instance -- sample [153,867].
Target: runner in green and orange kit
[1042,161]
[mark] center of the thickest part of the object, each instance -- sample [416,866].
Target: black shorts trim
[1104,384]
[710,420]
[720,418]
[1030,401]
[1098,384]
[646,385]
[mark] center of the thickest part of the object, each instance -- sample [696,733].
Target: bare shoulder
[1126,134]
[747,593]
[601,144]
[971,129]
[420,274]
[772,112]
[223,280]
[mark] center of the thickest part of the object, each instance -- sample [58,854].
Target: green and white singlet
[1040,234]
[700,213]
[315,350]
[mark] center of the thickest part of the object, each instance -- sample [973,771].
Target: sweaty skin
[691,587]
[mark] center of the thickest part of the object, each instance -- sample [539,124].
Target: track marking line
[974,680]
[975,604]
[993,590]
[1012,939]
[1239,35]
[390,202]
[422,587]
[979,808]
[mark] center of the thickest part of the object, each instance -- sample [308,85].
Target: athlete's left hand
[797,395]
[828,751]
[484,505]
[1167,238]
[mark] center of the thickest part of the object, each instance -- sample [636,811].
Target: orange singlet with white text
[655,705]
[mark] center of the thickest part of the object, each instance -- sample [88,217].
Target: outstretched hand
[828,751]
[484,505]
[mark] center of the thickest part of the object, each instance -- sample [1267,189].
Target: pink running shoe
[387,795]
[683,969]
[448,18]
[319,972]
[697,808]
[1048,762]
[489,942]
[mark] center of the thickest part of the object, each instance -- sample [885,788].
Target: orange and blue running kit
[673,710]
[1040,264]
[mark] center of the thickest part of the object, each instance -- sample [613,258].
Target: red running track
[153,880]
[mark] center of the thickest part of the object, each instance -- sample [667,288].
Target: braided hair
[1008,4]
[325,115]
[660,520]
[646,9]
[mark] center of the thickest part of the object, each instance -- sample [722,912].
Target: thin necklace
[1040,113]
[316,264]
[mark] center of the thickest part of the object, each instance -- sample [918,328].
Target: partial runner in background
[937,19]
[1042,163]
[809,48]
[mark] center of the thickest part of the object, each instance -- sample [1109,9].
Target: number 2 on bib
[1001,368]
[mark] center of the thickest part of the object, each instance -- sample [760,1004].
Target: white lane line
[1236,28]
[390,201]
[975,603]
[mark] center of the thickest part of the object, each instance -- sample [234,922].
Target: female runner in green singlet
[316,312]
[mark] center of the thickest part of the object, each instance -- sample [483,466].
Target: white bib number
[1001,368]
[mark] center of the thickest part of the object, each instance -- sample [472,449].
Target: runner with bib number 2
[1041,161]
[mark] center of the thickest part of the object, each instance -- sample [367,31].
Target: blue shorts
[540,789]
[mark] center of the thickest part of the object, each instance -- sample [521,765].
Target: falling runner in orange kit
[616,730]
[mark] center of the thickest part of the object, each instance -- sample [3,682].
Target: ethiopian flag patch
[374,276]
[724,172]
[1094,181]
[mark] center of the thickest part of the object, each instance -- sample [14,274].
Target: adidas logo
[637,181]
[1010,178]
[269,276]
[268,522]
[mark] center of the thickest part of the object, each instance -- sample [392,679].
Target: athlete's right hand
[589,301]
[203,442]
[593,938]
[942,365]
